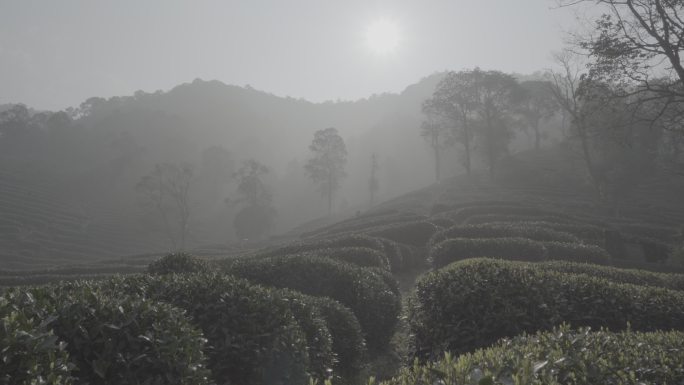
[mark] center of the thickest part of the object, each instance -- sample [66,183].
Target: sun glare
[382,36]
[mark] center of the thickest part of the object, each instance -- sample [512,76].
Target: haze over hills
[86,165]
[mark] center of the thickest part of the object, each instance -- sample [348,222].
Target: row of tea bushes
[471,304]
[375,303]
[632,276]
[521,249]
[359,224]
[86,336]
[561,356]
[157,329]
[503,230]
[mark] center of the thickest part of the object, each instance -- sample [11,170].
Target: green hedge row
[28,348]
[456,249]
[632,276]
[416,234]
[464,213]
[373,302]
[561,356]
[520,249]
[503,230]
[473,303]
[252,334]
[346,240]
[362,223]
[120,339]
[178,263]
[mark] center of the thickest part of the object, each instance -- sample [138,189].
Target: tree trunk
[330,194]
[437,174]
[537,136]
[466,144]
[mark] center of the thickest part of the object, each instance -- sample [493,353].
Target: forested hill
[68,178]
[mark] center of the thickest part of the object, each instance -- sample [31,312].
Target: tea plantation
[448,285]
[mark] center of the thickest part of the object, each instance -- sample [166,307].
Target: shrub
[458,249]
[577,252]
[415,234]
[253,336]
[362,223]
[580,357]
[502,230]
[471,304]
[347,240]
[347,340]
[359,256]
[464,213]
[364,292]
[318,337]
[177,263]
[29,350]
[122,339]
[632,276]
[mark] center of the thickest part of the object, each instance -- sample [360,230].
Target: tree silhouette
[167,190]
[326,167]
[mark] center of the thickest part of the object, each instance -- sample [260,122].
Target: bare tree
[167,191]
[638,44]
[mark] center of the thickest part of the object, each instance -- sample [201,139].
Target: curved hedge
[130,341]
[415,234]
[500,230]
[632,276]
[473,303]
[123,339]
[347,339]
[457,249]
[561,356]
[364,292]
[253,336]
[577,252]
[178,263]
[359,256]
[28,348]
[318,337]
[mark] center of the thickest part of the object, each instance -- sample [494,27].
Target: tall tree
[639,44]
[453,105]
[494,94]
[256,217]
[536,104]
[436,133]
[166,190]
[326,166]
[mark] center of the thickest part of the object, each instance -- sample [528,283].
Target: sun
[382,36]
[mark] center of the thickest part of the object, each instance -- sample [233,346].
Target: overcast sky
[57,53]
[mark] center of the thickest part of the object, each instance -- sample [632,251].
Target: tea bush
[457,249]
[29,350]
[502,230]
[470,304]
[123,339]
[178,263]
[633,276]
[318,337]
[364,292]
[347,340]
[415,234]
[577,252]
[359,256]
[252,334]
[561,356]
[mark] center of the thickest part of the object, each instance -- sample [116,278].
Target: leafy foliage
[29,351]
[471,304]
[560,356]
[178,263]
[364,292]
[503,230]
[457,249]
